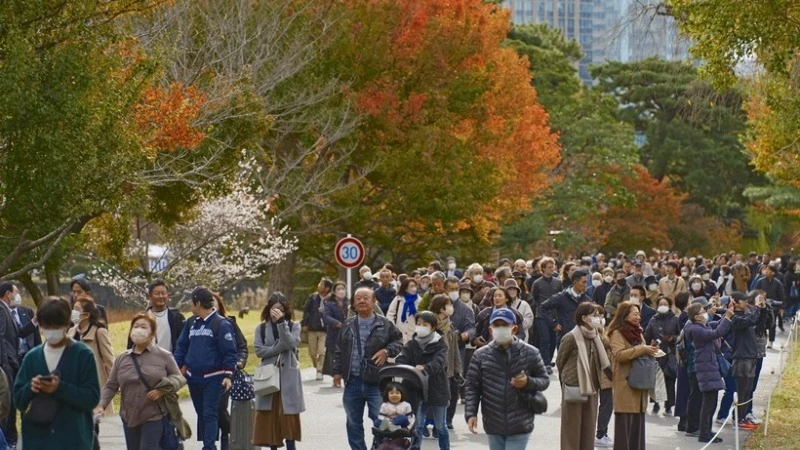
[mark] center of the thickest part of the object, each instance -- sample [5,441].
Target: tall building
[607,30]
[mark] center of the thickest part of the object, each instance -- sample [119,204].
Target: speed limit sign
[349,252]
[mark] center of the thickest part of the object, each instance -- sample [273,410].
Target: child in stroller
[395,433]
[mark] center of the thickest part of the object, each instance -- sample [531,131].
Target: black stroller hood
[408,376]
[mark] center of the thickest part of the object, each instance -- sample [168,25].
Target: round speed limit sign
[349,252]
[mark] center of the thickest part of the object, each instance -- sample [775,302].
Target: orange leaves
[165,117]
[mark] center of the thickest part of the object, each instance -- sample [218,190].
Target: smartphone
[47,378]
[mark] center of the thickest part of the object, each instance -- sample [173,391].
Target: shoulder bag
[170,438]
[535,401]
[642,376]
[267,378]
[573,394]
[43,407]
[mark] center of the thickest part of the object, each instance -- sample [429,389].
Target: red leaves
[165,117]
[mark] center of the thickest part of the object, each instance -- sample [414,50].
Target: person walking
[135,374]
[704,338]
[9,352]
[334,313]
[29,337]
[542,289]
[314,326]
[59,360]
[507,420]
[206,355]
[582,357]
[403,309]
[277,339]
[365,343]
[224,415]
[663,328]
[444,309]
[169,320]
[627,344]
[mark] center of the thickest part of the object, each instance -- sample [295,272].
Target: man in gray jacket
[507,419]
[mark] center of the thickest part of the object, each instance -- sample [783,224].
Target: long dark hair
[90,308]
[619,318]
[277,297]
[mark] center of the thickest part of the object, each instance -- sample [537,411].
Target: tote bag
[267,378]
[643,373]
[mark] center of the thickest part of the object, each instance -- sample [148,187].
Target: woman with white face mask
[45,368]
[582,358]
[403,309]
[92,331]
[142,387]
[664,327]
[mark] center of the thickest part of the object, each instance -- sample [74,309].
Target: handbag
[267,378]
[242,386]
[723,364]
[573,394]
[43,407]
[535,401]
[642,376]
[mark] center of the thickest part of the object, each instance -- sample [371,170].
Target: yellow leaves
[165,117]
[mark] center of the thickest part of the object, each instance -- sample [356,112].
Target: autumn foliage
[165,117]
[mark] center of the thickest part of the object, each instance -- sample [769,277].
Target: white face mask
[453,295]
[684,274]
[597,322]
[708,317]
[465,297]
[448,310]
[412,290]
[451,266]
[502,335]
[663,309]
[75,317]
[17,300]
[608,279]
[139,335]
[54,336]
[636,300]
[696,286]
[477,279]
[652,287]
[596,283]
[603,321]
[422,331]
[706,276]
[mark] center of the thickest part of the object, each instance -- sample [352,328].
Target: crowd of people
[625,335]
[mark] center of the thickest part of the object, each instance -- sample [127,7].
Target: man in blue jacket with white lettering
[206,354]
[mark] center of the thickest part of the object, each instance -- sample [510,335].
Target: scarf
[429,339]
[444,325]
[581,335]
[409,307]
[631,333]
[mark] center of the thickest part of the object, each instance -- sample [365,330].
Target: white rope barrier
[792,338]
[734,412]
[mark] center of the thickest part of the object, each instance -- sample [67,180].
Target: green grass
[118,331]
[784,413]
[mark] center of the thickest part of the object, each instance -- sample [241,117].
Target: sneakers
[450,426]
[693,433]
[426,432]
[435,433]
[721,420]
[753,419]
[319,376]
[668,411]
[712,440]
[747,425]
[769,345]
[603,442]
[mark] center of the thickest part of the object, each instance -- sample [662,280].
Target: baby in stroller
[404,388]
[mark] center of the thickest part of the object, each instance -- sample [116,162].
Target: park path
[323,421]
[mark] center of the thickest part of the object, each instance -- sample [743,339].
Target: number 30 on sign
[349,252]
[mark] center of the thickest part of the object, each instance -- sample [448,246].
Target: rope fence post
[736,419]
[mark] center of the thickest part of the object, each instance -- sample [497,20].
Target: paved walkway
[323,421]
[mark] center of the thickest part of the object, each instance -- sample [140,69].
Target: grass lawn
[784,414]
[118,330]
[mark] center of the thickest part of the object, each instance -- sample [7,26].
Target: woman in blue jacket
[704,338]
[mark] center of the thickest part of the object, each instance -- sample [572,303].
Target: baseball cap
[202,295]
[505,315]
[702,300]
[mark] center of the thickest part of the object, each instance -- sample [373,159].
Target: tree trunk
[281,277]
[51,275]
[32,288]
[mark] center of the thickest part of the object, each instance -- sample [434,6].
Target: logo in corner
[228,336]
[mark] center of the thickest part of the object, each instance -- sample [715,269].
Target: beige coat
[626,399]
[97,339]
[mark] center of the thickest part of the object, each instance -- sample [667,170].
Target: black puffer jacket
[433,358]
[489,384]
[383,335]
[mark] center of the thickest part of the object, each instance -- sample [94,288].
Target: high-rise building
[607,30]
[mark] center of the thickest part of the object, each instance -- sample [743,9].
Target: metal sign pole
[350,279]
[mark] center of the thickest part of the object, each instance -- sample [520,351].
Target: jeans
[510,442]
[759,363]
[439,421]
[604,415]
[451,408]
[727,397]
[205,398]
[144,437]
[356,395]
[545,337]
[707,413]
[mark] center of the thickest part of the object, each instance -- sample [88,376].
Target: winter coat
[560,309]
[312,316]
[383,335]
[663,326]
[268,349]
[463,319]
[542,289]
[743,324]
[704,340]
[97,339]
[567,360]
[333,316]
[488,385]
[774,289]
[614,297]
[527,313]
[395,313]
[671,289]
[385,297]
[433,358]
[647,314]
[626,399]
[600,293]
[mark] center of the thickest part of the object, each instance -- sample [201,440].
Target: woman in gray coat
[276,341]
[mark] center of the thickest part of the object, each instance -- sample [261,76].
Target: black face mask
[621,282]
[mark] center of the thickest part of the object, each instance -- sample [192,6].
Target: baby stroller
[415,386]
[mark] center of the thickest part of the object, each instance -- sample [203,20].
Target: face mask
[448,310]
[139,335]
[597,322]
[502,335]
[17,300]
[412,291]
[608,279]
[652,287]
[340,294]
[707,317]
[705,277]
[636,300]
[453,295]
[621,282]
[597,283]
[422,331]
[54,336]
[465,297]
[451,266]
[663,309]
[76,317]
[684,274]
[696,286]
[367,275]
[477,279]
[603,321]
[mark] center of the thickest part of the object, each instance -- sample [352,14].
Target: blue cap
[724,300]
[503,314]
